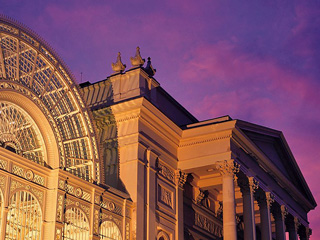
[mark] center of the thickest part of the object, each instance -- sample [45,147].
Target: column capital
[247,184]
[228,167]
[264,198]
[279,211]
[180,178]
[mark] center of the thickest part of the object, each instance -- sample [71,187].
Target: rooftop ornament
[137,60]
[118,67]
[149,69]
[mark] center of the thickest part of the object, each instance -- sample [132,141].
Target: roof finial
[149,69]
[118,67]
[137,60]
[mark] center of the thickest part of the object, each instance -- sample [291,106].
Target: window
[76,226]
[109,231]
[24,217]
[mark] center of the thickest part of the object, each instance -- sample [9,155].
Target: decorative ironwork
[32,68]
[24,217]
[19,133]
[76,225]
[109,230]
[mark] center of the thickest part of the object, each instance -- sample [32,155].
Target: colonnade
[250,190]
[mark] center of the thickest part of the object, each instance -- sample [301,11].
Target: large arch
[30,71]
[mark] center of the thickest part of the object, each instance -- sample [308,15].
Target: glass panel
[24,217]
[19,133]
[76,226]
[109,231]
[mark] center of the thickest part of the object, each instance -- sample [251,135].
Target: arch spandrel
[28,66]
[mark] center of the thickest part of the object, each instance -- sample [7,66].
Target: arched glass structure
[109,231]
[28,66]
[19,133]
[24,217]
[76,226]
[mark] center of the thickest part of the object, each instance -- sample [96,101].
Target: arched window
[24,217]
[76,226]
[109,231]
[19,133]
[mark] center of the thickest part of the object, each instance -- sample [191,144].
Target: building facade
[121,159]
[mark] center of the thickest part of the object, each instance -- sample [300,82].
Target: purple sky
[257,61]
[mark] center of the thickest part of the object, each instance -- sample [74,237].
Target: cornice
[205,141]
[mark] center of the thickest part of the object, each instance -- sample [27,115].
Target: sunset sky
[257,61]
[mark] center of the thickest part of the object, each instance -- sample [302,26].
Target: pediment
[273,144]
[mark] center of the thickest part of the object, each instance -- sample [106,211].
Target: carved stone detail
[165,196]
[166,172]
[137,60]
[181,178]
[264,198]
[228,167]
[118,66]
[208,225]
[247,184]
[202,198]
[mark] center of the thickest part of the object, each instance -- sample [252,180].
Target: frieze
[208,225]
[166,172]
[205,140]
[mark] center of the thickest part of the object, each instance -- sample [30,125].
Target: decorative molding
[181,178]
[96,221]
[208,225]
[166,172]
[60,206]
[228,167]
[3,181]
[109,217]
[3,164]
[205,140]
[15,185]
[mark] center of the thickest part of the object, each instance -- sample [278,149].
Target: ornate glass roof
[29,66]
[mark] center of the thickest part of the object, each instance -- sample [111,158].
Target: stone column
[247,188]
[181,179]
[265,199]
[228,169]
[279,213]
[293,225]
